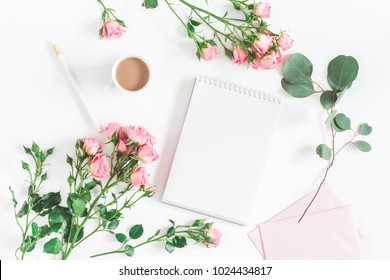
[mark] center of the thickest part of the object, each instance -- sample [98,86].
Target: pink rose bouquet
[112,28]
[102,186]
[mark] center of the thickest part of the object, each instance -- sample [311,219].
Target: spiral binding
[242,90]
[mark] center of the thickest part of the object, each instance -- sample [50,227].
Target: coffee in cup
[130,74]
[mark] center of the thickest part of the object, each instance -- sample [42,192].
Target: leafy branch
[342,71]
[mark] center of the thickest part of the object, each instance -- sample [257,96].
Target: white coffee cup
[130,74]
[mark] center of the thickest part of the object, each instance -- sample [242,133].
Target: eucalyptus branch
[342,71]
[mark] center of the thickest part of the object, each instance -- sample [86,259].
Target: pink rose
[239,55]
[121,146]
[99,167]
[112,128]
[268,61]
[278,56]
[139,177]
[112,30]
[285,41]
[256,62]
[147,154]
[215,235]
[209,52]
[264,43]
[91,146]
[140,135]
[263,10]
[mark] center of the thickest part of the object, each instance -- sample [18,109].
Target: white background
[37,104]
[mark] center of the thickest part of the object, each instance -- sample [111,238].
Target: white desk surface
[38,104]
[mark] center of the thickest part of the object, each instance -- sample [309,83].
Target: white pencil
[76,87]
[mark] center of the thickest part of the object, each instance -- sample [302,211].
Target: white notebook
[222,151]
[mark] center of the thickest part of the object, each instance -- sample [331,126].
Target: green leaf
[91,185]
[44,177]
[53,246]
[331,117]
[113,225]
[136,231]
[190,29]
[129,250]
[298,69]
[35,148]
[150,4]
[14,201]
[328,99]
[198,52]
[324,152]
[169,247]
[363,146]
[59,216]
[342,71]
[171,232]
[78,206]
[69,160]
[27,150]
[342,121]
[365,129]
[23,210]
[69,235]
[228,53]
[121,238]
[298,90]
[113,214]
[48,201]
[195,22]
[179,241]
[86,196]
[35,229]
[102,210]
[45,230]
[28,244]
[25,166]
[340,94]
[49,151]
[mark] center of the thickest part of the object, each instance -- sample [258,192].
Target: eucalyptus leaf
[342,71]
[298,90]
[365,129]
[169,247]
[53,246]
[363,146]
[298,69]
[136,231]
[331,117]
[342,121]
[328,99]
[323,151]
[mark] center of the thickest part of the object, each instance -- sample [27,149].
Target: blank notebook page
[223,147]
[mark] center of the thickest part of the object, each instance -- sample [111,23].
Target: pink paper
[329,234]
[326,200]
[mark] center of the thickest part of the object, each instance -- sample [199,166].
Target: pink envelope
[325,200]
[324,235]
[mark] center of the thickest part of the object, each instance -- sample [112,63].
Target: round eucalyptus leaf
[324,152]
[342,71]
[363,146]
[365,129]
[298,69]
[342,121]
[298,90]
[328,99]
